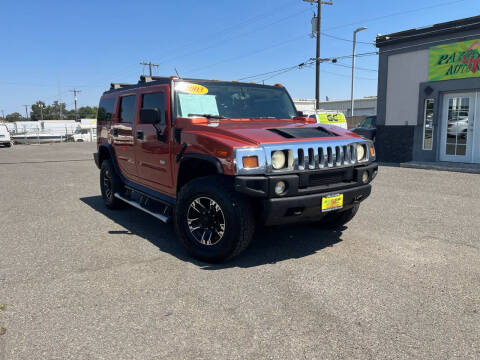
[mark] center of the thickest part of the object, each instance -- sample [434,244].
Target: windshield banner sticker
[193,104]
[192,89]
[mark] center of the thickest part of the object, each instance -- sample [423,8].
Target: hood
[249,132]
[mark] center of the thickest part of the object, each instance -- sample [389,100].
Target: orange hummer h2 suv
[218,158]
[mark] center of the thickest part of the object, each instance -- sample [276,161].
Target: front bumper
[302,198]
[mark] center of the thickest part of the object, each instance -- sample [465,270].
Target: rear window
[105,110]
[127,109]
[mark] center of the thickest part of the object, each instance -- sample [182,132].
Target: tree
[39,111]
[59,111]
[87,112]
[14,117]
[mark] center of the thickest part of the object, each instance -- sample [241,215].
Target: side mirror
[150,116]
[300,113]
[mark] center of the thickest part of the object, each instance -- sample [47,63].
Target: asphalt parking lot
[78,281]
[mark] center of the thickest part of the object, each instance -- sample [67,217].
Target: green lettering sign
[454,61]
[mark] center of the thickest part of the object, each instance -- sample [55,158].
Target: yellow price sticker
[192,89]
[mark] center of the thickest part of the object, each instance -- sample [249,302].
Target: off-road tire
[111,202]
[336,220]
[238,216]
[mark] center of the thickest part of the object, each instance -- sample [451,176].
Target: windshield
[232,101]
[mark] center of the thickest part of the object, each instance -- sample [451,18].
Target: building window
[428,124]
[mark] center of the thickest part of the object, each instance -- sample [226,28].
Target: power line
[396,14]
[224,39]
[249,54]
[356,67]
[150,65]
[343,39]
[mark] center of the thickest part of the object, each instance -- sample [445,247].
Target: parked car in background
[5,138]
[458,127]
[84,135]
[367,128]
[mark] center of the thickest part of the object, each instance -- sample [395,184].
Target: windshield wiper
[209,116]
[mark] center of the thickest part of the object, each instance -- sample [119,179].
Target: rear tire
[110,183]
[213,222]
[336,220]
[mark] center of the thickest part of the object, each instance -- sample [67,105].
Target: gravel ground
[78,281]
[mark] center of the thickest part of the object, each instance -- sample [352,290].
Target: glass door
[458,127]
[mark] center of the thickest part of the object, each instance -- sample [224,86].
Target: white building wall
[363,106]
[405,72]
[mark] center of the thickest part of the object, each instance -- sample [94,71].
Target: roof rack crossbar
[146,78]
[114,86]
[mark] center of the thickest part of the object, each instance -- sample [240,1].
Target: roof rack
[114,86]
[145,78]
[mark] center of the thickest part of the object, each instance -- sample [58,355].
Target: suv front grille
[306,156]
[325,156]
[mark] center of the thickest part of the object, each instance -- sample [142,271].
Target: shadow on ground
[270,245]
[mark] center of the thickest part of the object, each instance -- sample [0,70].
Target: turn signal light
[372,151]
[250,162]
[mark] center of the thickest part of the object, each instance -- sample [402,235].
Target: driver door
[152,142]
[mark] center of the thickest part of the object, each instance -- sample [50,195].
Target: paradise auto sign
[454,61]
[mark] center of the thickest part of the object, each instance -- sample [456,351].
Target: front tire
[336,220]
[110,183]
[213,222]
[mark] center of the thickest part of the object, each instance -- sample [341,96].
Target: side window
[127,109]
[154,101]
[105,110]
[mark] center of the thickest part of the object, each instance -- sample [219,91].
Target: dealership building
[428,106]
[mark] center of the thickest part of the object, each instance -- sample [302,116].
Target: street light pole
[353,67]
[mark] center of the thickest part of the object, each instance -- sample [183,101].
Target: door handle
[139,134]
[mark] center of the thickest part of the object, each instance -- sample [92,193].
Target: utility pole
[26,111]
[3,115]
[75,92]
[353,66]
[317,62]
[150,65]
[41,112]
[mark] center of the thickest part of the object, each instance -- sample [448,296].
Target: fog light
[280,187]
[365,177]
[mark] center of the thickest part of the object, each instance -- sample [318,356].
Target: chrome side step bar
[137,205]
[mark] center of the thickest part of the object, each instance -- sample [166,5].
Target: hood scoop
[302,133]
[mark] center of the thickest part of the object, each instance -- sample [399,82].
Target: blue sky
[50,47]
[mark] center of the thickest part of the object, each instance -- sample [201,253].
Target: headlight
[278,160]
[360,152]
